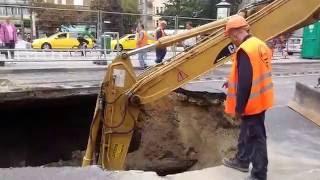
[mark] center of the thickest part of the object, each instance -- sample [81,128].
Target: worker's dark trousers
[252,145]
[160,54]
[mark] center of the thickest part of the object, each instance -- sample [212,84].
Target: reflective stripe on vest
[253,95]
[261,95]
[256,81]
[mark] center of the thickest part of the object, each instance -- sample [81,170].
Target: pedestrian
[142,40]
[160,51]
[191,41]
[82,39]
[250,95]
[2,45]
[29,37]
[10,36]
[58,29]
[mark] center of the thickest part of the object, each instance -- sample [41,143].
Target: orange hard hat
[235,22]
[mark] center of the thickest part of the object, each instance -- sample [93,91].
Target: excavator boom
[123,94]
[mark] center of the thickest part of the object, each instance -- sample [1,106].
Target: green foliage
[194,8]
[118,22]
[186,8]
[130,6]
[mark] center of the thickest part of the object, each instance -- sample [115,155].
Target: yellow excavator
[123,94]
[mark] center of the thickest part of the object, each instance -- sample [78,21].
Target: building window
[9,11]
[25,11]
[78,2]
[16,11]
[157,10]
[2,11]
[162,9]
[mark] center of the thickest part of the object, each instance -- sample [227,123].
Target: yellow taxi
[128,42]
[61,40]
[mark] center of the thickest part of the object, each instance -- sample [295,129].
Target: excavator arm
[123,94]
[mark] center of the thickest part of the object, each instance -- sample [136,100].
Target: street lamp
[223,9]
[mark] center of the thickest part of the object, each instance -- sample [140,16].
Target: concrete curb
[31,94]
[103,67]
[306,102]
[39,70]
[297,62]
[54,70]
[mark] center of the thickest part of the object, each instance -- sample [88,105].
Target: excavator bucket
[306,101]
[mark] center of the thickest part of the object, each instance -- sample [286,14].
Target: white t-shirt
[190,42]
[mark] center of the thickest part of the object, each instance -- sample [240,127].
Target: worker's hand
[238,118]
[225,85]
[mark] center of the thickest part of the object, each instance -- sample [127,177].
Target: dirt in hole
[183,131]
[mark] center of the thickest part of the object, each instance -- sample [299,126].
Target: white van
[294,45]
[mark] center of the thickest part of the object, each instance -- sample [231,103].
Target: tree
[235,4]
[185,8]
[110,21]
[114,21]
[129,6]
[210,9]
[194,8]
[50,19]
[130,21]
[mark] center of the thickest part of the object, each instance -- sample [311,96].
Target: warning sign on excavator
[181,76]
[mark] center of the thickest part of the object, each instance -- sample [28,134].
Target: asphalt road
[285,76]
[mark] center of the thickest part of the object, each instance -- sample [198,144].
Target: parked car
[294,45]
[61,40]
[128,42]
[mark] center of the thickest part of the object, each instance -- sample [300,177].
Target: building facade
[70,2]
[14,12]
[20,16]
[151,7]
[158,7]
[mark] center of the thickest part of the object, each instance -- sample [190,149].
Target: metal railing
[100,18]
[116,23]
[60,55]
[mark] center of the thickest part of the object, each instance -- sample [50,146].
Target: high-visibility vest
[143,41]
[261,97]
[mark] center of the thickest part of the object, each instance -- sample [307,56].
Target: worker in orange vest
[142,40]
[250,95]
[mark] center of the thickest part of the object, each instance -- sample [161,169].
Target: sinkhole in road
[183,131]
